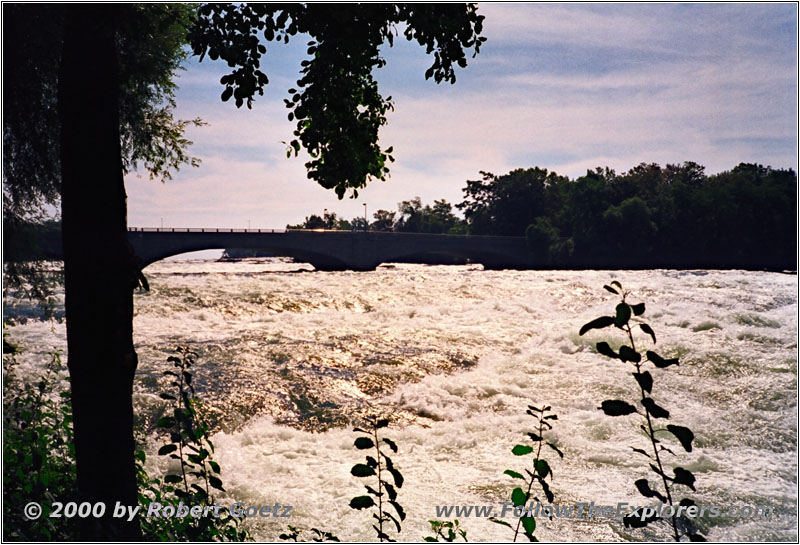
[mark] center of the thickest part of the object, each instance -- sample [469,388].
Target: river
[290,358]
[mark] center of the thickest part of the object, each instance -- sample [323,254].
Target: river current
[289,359]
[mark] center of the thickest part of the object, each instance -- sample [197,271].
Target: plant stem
[530,484]
[380,484]
[651,435]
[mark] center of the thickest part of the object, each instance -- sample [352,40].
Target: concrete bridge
[336,250]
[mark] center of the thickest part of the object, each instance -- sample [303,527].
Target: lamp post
[366,223]
[324,218]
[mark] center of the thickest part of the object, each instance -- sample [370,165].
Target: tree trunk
[99,278]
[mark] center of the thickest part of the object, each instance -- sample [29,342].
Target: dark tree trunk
[99,278]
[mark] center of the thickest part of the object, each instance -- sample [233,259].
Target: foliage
[199,475]
[318,535]
[676,216]
[446,530]
[624,318]
[38,452]
[377,467]
[337,93]
[538,473]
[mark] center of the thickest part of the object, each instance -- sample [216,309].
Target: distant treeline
[675,216]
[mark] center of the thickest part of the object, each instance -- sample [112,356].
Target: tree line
[648,217]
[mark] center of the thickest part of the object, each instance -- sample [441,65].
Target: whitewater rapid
[290,359]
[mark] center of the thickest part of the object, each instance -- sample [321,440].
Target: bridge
[336,250]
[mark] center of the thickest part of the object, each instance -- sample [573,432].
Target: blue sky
[567,87]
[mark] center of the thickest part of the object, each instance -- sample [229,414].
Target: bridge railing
[199,230]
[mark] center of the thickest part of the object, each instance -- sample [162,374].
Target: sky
[566,87]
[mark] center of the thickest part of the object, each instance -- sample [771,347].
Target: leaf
[543,468]
[169,397]
[372,462]
[381,423]
[597,323]
[513,474]
[660,362]
[390,490]
[529,524]
[645,380]
[612,290]
[499,521]
[166,449]
[655,410]
[649,330]
[640,451]
[644,489]
[165,422]
[547,492]
[363,443]
[634,520]
[534,437]
[521,450]
[171,479]
[617,407]
[361,502]
[398,478]
[604,349]
[623,314]
[626,353]
[696,538]
[638,310]
[684,435]
[215,482]
[392,444]
[555,448]
[551,417]
[399,509]
[362,470]
[683,476]
[214,466]
[518,497]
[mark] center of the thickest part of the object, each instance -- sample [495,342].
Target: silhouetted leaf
[640,451]
[521,450]
[660,362]
[626,353]
[215,482]
[659,472]
[617,407]
[513,474]
[649,330]
[597,323]
[635,520]
[361,502]
[623,314]
[362,470]
[638,310]
[381,423]
[645,380]
[399,509]
[551,417]
[372,462]
[165,422]
[392,444]
[684,435]
[363,443]
[604,349]
[172,479]
[391,491]
[683,476]
[518,497]
[696,538]
[166,449]
[534,437]
[612,290]
[655,410]
[644,489]
[398,478]
[547,492]
[555,448]
[499,521]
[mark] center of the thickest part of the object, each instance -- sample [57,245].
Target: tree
[100,269]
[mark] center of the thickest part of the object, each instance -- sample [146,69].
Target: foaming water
[290,357]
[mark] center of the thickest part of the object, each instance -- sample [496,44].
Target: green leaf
[617,407]
[626,353]
[513,474]
[529,524]
[166,449]
[655,410]
[518,497]
[215,482]
[361,502]
[165,422]
[172,479]
[604,349]
[660,362]
[542,468]
[363,443]
[684,435]
[638,310]
[362,470]
[623,314]
[645,380]
[597,323]
[649,330]
[500,521]
[521,450]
